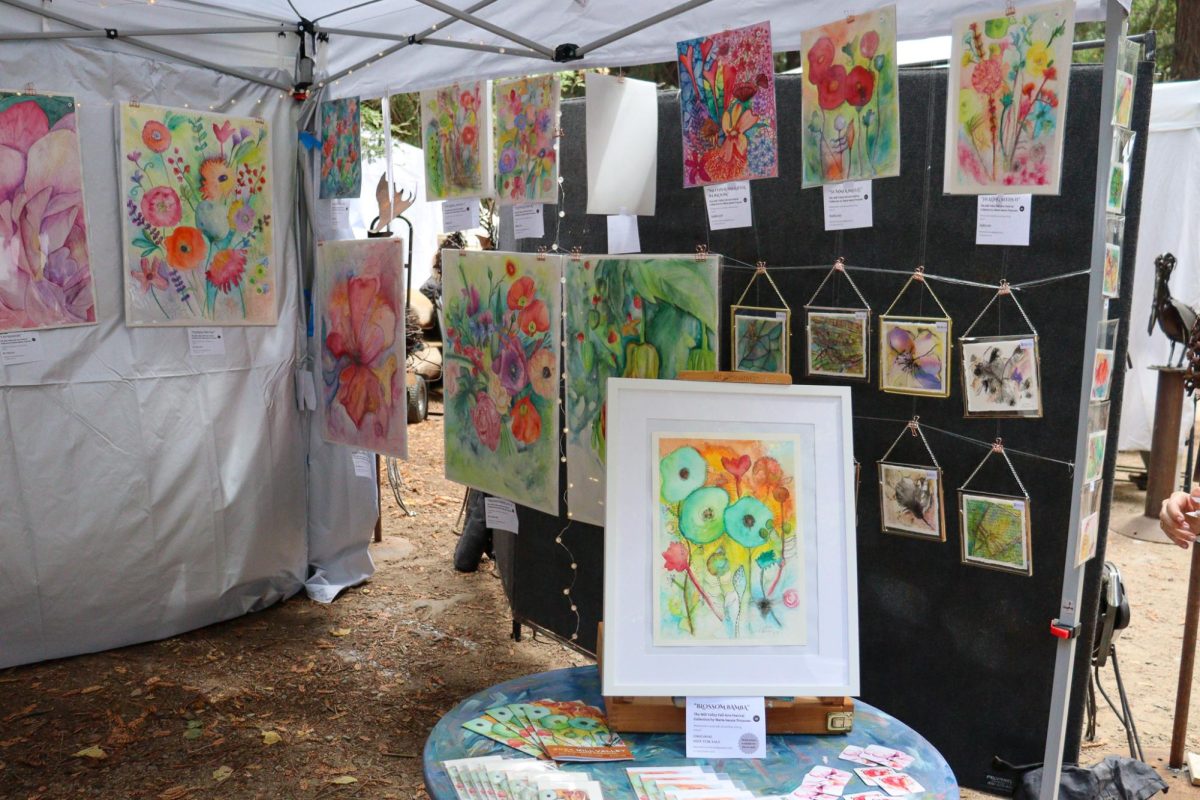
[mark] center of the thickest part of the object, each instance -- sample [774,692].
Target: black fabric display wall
[962,654]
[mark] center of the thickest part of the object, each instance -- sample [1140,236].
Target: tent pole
[487,26]
[414,39]
[1068,625]
[122,33]
[199,62]
[637,26]
[486,48]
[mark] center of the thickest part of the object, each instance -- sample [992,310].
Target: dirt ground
[309,701]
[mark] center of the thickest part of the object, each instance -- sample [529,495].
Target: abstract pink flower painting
[45,270]
[361,303]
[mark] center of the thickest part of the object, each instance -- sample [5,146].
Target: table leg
[1187,662]
[1164,453]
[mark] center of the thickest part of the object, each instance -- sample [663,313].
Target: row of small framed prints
[1000,374]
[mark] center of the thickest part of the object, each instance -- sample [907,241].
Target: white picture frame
[827,664]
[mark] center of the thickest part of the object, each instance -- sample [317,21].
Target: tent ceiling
[546,22]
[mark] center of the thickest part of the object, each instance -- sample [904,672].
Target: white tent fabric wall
[147,492]
[1170,208]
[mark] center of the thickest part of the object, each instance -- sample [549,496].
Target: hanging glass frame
[760,336]
[1001,375]
[994,527]
[914,351]
[911,496]
[837,339]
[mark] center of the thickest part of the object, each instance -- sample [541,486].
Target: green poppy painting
[728,547]
[628,317]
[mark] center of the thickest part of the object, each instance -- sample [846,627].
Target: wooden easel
[814,715]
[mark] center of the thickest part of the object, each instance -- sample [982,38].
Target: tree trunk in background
[1186,64]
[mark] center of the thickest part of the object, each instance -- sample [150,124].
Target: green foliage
[1147,15]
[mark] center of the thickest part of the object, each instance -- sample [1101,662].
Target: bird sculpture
[1175,317]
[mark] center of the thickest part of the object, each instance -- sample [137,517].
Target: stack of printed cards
[496,778]
[684,783]
[563,731]
[883,767]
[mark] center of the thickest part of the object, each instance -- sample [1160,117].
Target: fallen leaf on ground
[340,631]
[271,737]
[90,689]
[95,751]
[343,780]
[174,793]
[222,773]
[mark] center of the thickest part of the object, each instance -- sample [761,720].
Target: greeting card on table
[197,218]
[341,165]
[45,266]
[1006,113]
[526,155]
[502,373]
[850,95]
[361,305]
[456,131]
[727,102]
[628,317]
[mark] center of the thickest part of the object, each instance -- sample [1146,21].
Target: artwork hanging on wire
[837,342]
[914,355]
[341,162]
[850,99]
[1001,376]
[1097,441]
[995,531]
[197,222]
[45,265]
[760,338]
[729,565]
[910,499]
[632,317]
[1006,115]
[1128,55]
[1113,240]
[1089,523]
[1119,167]
[1104,363]
[501,374]
[727,102]
[526,151]
[360,299]
[456,131]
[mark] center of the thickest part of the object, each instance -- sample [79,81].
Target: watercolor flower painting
[341,164]
[526,151]
[628,317]
[197,218]
[729,564]
[361,305]
[850,98]
[45,267]
[503,318]
[913,356]
[456,129]
[1008,100]
[727,102]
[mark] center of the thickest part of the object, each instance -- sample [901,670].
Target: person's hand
[1172,520]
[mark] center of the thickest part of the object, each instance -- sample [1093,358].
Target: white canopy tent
[128,529]
[1167,226]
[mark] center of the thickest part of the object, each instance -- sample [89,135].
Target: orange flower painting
[197,218]
[361,293]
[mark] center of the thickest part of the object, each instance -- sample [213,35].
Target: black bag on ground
[1114,778]
[476,539]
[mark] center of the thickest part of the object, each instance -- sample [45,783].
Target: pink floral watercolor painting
[1007,104]
[361,302]
[727,101]
[45,268]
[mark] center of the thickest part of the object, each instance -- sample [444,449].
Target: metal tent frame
[1068,623]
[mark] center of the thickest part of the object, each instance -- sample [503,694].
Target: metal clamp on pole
[567,52]
[1061,630]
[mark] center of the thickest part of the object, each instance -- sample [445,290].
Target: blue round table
[788,757]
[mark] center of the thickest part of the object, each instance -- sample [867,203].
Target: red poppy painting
[197,218]
[361,303]
[727,102]
[456,124]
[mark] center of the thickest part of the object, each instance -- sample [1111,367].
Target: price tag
[848,205]
[726,727]
[528,222]
[339,215]
[364,463]
[728,205]
[1003,219]
[501,514]
[460,215]
[623,234]
[206,342]
[21,347]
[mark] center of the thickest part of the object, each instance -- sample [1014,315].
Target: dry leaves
[222,773]
[271,737]
[95,751]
